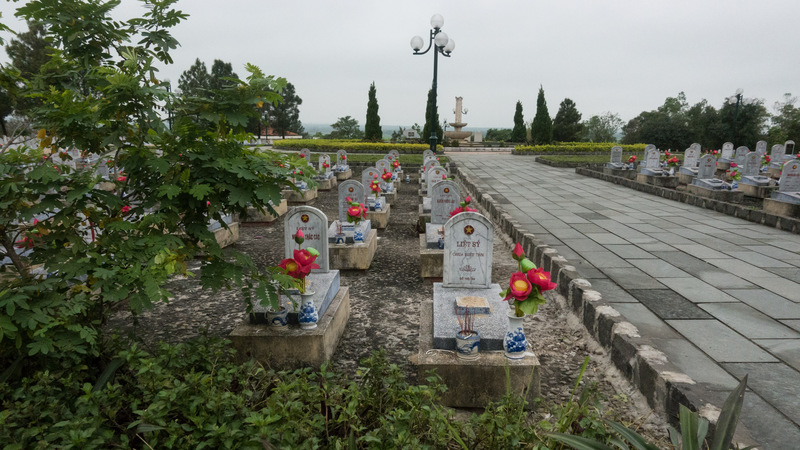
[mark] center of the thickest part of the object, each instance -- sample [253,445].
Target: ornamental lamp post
[738,100]
[442,45]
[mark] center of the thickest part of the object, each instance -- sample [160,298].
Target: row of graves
[728,174]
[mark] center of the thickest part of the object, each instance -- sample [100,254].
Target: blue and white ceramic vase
[339,238]
[467,345]
[515,343]
[734,185]
[358,236]
[308,315]
[278,319]
[378,205]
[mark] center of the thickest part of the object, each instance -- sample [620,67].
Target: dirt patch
[385,313]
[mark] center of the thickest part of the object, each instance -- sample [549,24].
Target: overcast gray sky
[622,56]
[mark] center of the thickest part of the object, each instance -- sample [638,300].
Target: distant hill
[313,128]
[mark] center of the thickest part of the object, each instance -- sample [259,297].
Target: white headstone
[445,197]
[428,164]
[738,157]
[752,164]
[352,189]
[691,156]
[306,154]
[727,151]
[788,150]
[367,176]
[102,168]
[383,164]
[761,148]
[790,177]
[339,161]
[708,165]
[324,158]
[314,225]
[616,154]
[652,158]
[395,154]
[698,147]
[777,153]
[435,175]
[468,251]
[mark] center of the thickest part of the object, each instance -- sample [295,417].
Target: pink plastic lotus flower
[541,279]
[306,260]
[519,287]
[518,253]
[290,267]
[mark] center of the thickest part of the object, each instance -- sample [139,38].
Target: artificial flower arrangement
[632,159]
[673,161]
[355,212]
[527,285]
[765,160]
[387,176]
[464,207]
[301,265]
[396,164]
[375,187]
[733,172]
[715,153]
[325,165]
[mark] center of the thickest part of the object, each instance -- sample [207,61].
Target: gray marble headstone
[708,165]
[427,153]
[652,158]
[697,146]
[306,154]
[445,197]
[383,164]
[339,162]
[727,152]
[788,150]
[752,164]
[761,148]
[102,168]
[616,154]
[428,164]
[740,154]
[395,154]
[324,158]
[367,176]
[314,225]
[352,189]
[468,244]
[434,175]
[790,177]
[691,156]
[776,155]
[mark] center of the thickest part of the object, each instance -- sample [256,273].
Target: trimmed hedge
[349,146]
[576,147]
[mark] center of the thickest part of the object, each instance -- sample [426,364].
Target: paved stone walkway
[719,294]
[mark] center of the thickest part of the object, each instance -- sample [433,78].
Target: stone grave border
[637,357]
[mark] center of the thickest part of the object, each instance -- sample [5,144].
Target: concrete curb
[784,223]
[636,356]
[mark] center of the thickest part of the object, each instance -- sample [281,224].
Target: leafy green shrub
[349,145]
[577,147]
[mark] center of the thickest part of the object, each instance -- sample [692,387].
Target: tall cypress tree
[542,126]
[372,128]
[432,121]
[567,125]
[518,134]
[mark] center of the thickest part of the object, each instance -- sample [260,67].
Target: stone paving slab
[718,295]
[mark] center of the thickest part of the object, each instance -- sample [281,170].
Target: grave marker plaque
[427,153]
[690,157]
[383,164]
[395,154]
[740,154]
[367,176]
[339,163]
[306,154]
[752,164]
[790,177]
[352,189]
[788,150]
[434,175]
[727,152]
[761,148]
[445,197]
[324,158]
[468,244]
[708,165]
[314,225]
[616,154]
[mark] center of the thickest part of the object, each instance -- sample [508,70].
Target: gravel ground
[387,297]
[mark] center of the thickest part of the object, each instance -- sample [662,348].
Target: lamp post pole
[441,44]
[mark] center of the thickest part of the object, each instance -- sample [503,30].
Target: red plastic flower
[375,187]
[354,211]
[299,237]
[387,176]
[344,157]
[121,178]
[733,164]
[519,287]
[518,253]
[667,154]
[306,260]
[395,164]
[290,267]
[541,279]
[125,209]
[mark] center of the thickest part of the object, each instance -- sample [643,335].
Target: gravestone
[690,159]
[788,190]
[705,174]
[761,148]
[652,161]
[445,197]
[395,154]
[434,175]
[352,189]
[616,158]
[726,155]
[367,176]
[340,164]
[788,150]
[102,168]
[428,164]
[697,146]
[469,237]
[740,154]
[384,164]
[314,225]
[751,170]
[776,156]
[324,172]
[427,153]
[306,154]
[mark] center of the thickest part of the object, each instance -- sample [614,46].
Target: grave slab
[670,182]
[473,384]
[623,173]
[299,197]
[278,346]
[344,175]
[327,184]
[380,219]
[781,208]
[492,327]
[253,216]
[325,286]
[724,195]
[354,256]
[750,190]
[431,260]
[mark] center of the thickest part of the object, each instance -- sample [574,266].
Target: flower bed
[349,146]
[575,148]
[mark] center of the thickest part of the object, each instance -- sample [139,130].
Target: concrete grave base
[660,181]
[341,176]
[624,173]
[431,260]
[774,172]
[292,347]
[327,185]
[390,196]
[473,384]
[253,216]
[723,165]
[354,256]
[717,194]
[380,219]
[779,208]
[756,191]
[303,196]
[685,178]
[227,237]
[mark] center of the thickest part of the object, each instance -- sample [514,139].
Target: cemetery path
[720,295]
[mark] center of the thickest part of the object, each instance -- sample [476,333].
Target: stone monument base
[781,208]
[304,196]
[717,194]
[341,176]
[390,197]
[227,237]
[354,256]
[327,184]
[756,191]
[685,178]
[253,216]
[424,217]
[774,172]
[624,173]
[380,219]
[431,260]
[670,182]
[473,384]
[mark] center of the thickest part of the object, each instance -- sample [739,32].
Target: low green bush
[349,146]
[578,147]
